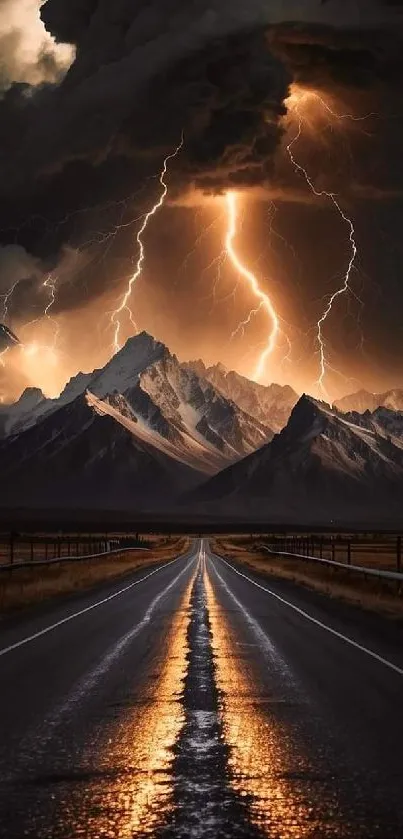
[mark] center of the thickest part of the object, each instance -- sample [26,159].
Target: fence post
[32,549]
[399,553]
[333,549]
[11,548]
[46,548]
[349,553]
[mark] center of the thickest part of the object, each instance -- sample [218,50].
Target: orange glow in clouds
[264,301]
[35,363]
[40,363]
[319,107]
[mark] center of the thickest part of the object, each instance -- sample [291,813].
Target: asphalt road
[200,699]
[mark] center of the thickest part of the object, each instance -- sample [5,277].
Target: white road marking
[90,679]
[96,605]
[38,738]
[313,620]
[255,626]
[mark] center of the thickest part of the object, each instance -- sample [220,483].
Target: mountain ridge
[147,430]
[363,400]
[76,456]
[143,391]
[268,403]
[319,465]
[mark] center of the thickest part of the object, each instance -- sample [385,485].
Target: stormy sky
[94,95]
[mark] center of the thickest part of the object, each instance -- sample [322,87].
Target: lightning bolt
[288,355]
[265,302]
[200,237]
[32,348]
[218,264]
[51,285]
[272,213]
[7,300]
[345,288]
[124,303]
[3,364]
[240,329]
[105,238]
[350,117]
[2,356]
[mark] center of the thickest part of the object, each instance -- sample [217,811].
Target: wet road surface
[199,699]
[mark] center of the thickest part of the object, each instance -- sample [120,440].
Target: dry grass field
[23,587]
[374,595]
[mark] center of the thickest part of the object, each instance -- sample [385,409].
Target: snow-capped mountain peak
[122,371]
[147,417]
[162,403]
[124,368]
[14,417]
[189,412]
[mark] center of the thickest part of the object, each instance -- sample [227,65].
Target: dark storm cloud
[68,21]
[106,129]
[125,48]
[227,99]
[349,59]
[141,103]
[145,72]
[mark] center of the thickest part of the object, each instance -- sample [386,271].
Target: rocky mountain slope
[271,405]
[146,430]
[76,458]
[383,421]
[143,394]
[147,381]
[323,467]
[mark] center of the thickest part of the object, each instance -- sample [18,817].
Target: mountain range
[363,400]
[272,401]
[164,424]
[149,434]
[323,467]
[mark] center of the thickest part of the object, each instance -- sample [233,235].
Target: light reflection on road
[265,768]
[132,794]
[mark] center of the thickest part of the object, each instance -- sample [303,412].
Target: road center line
[315,621]
[96,605]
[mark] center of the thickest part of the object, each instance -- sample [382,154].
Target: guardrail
[17,566]
[395,576]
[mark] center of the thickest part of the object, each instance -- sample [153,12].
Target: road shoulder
[368,595]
